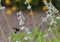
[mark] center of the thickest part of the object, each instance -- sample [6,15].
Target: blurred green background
[36,4]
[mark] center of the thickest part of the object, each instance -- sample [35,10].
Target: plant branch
[3,35]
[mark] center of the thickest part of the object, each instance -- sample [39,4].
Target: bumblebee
[16,29]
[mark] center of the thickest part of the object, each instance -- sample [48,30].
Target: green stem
[9,27]
[40,24]
[3,35]
[33,20]
[6,20]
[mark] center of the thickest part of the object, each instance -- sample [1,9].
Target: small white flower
[28,32]
[19,13]
[21,18]
[26,38]
[51,23]
[22,28]
[48,15]
[9,39]
[57,17]
[21,22]
[45,35]
[27,29]
[55,22]
[44,19]
[54,9]
[45,2]
[25,3]
[17,41]
[29,7]
[2,7]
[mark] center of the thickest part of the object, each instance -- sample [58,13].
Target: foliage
[35,36]
[27,35]
[20,3]
[40,36]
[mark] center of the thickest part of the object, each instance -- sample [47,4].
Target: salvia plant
[51,34]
